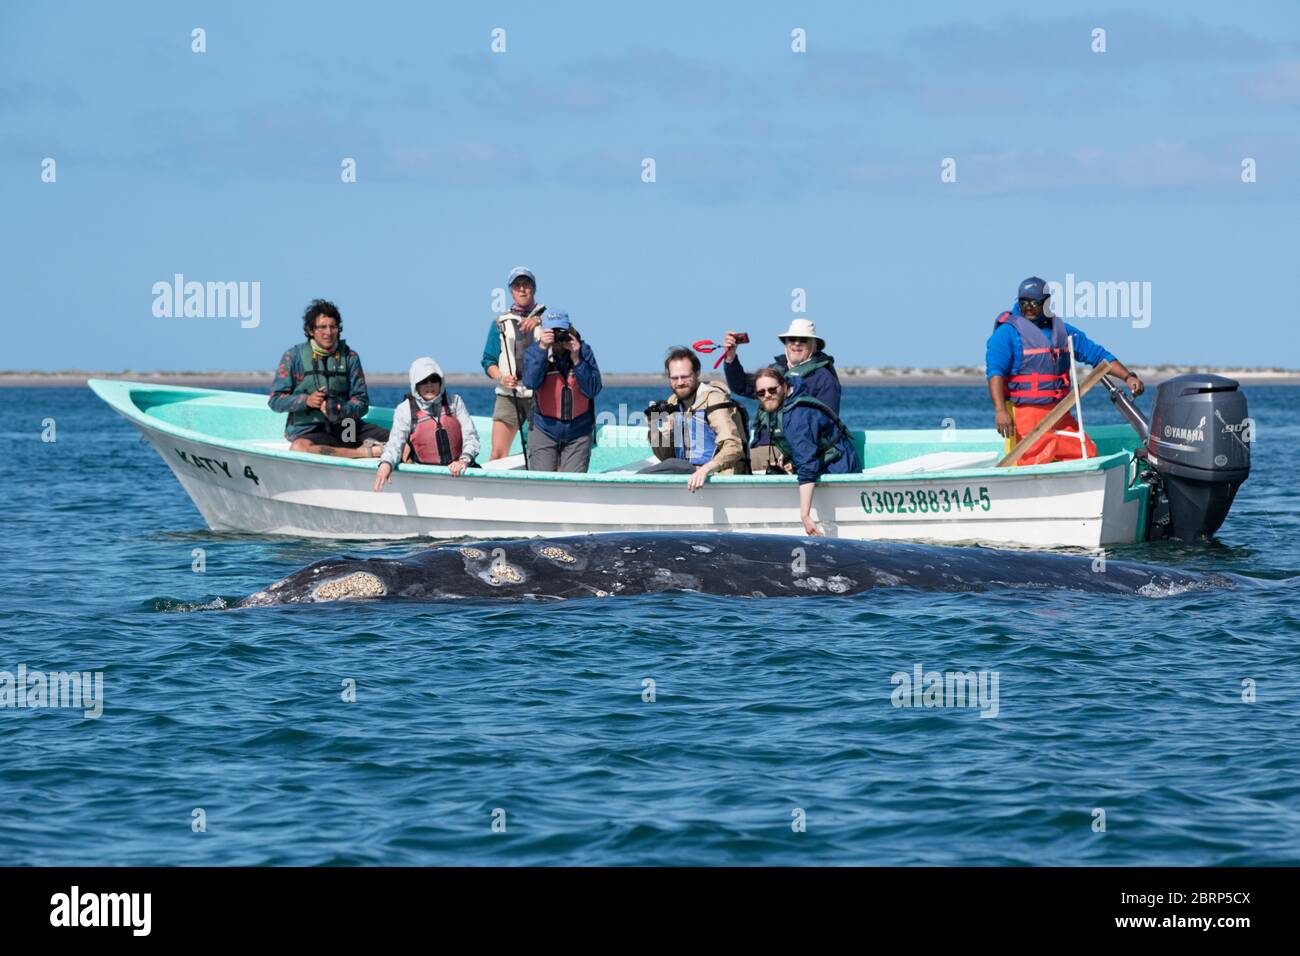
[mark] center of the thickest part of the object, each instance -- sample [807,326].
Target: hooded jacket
[421,369]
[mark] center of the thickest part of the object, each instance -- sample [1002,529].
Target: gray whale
[722,563]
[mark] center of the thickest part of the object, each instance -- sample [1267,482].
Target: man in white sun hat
[805,357]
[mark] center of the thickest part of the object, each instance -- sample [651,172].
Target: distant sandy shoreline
[848,377]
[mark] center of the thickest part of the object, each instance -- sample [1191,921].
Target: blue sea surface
[771,739]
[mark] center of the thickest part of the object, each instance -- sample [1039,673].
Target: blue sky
[774,170]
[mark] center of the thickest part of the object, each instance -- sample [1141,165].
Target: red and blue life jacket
[1044,375]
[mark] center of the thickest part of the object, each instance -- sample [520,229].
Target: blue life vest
[1044,375]
[697,432]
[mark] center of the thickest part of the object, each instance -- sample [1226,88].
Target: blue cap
[552,319]
[1034,289]
[520,272]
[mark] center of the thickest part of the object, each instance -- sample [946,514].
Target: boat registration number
[926,501]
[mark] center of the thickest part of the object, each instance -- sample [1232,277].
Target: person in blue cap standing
[561,371]
[503,358]
[1027,363]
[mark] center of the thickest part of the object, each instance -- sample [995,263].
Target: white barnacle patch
[502,573]
[473,553]
[702,548]
[557,554]
[630,550]
[358,584]
[838,584]
[600,593]
[810,583]
[884,577]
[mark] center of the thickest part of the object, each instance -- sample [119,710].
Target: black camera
[658,408]
[562,336]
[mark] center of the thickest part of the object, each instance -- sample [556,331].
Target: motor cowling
[1199,445]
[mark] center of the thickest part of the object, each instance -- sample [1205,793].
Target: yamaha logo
[1187,434]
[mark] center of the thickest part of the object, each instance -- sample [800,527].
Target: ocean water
[771,739]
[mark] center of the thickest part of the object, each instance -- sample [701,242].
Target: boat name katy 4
[203,463]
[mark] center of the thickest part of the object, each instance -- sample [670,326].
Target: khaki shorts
[507,410]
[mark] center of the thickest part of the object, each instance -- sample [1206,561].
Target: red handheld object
[708,345]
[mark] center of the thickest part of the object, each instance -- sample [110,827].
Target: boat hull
[239,487]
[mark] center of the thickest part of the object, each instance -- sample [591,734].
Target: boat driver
[1027,362]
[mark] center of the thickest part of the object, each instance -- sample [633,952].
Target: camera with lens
[658,408]
[562,337]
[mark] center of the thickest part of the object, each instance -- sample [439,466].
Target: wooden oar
[1056,414]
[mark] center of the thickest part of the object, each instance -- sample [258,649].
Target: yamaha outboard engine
[1198,443]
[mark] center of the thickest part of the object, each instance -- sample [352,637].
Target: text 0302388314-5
[926,500]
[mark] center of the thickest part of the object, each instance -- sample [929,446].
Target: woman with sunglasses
[809,435]
[805,358]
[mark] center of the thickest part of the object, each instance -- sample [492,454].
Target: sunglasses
[764,392]
[797,339]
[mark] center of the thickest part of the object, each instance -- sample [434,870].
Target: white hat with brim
[803,329]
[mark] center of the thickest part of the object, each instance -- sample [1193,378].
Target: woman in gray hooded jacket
[429,427]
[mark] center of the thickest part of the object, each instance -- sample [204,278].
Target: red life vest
[434,440]
[561,398]
[1044,375]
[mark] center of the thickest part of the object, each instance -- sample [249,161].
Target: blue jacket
[823,385]
[803,427]
[588,375]
[1002,354]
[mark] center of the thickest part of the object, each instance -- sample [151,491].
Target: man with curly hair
[321,386]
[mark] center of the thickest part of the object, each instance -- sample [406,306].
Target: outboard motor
[1198,443]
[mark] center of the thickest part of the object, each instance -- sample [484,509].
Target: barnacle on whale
[358,584]
[556,554]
